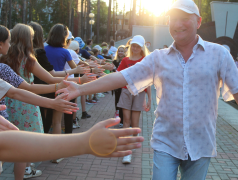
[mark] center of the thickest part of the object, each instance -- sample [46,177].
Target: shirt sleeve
[4,87]
[140,76]
[228,75]
[8,75]
[43,60]
[68,56]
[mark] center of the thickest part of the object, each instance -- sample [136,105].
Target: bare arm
[105,83]
[18,146]
[236,97]
[28,97]
[37,88]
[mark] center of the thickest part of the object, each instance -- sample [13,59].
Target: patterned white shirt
[187,96]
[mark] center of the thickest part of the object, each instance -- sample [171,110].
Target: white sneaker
[32,165]
[127,159]
[34,173]
[75,126]
[120,125]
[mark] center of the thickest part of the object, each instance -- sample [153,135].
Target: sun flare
[156,7]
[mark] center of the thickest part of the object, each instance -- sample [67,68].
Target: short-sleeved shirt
[88,48]
[100,56]
[57,56]
[75,59]
[187,96]
[43,61]
[112,51]
[4,87]
[125,63]
[85,54]
[8,75]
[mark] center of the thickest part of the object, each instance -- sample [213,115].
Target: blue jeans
[166,167]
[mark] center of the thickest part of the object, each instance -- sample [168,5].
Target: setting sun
[156,7]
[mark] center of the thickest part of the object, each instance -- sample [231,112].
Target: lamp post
[91,22]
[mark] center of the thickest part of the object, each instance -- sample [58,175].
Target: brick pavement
[88,167]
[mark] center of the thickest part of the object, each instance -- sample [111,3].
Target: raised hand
[88,77]
[71,90]
[5,124]
[105,142]
[81,70]
[98,70]
[61,104]
[62,85]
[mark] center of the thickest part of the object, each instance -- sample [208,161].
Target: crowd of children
[27,62]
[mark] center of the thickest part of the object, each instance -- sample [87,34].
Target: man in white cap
[187,77]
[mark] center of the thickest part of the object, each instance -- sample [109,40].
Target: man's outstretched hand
[71,90]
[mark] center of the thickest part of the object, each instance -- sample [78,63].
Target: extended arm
[105,83]
[28,97]
[18,146]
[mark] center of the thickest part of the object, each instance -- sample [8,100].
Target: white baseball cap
[138,39]
[70,36]
[74,45]
[187,6]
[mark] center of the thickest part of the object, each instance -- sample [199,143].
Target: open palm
[72,90]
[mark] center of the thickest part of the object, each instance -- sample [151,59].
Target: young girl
[120,54]
[133,105]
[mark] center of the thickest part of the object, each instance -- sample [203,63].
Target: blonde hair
[116,58]
[144,52]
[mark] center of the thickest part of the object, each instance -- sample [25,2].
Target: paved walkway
[88,167]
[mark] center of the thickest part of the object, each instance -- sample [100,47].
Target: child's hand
[61,104]
[88,77]
[5,124]
[106,142]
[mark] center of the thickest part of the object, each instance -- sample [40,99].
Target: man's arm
[103,84]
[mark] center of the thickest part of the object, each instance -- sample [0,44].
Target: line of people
[26,63]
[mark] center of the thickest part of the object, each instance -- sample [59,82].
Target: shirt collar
[200,42]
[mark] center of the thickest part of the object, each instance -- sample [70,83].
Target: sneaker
[91,102]
[100,95]
[76,123]
[34,173]
[95,99]
[120,125]
[85,115]
[127,159]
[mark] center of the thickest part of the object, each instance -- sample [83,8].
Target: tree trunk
[123,20]
[134,13]
[24,12]
[72,20]
[87,21]
[10,15]
[109,21]
[82,19]
[113,26]
[6,11]
[30,11]
[70,12]
[98,20]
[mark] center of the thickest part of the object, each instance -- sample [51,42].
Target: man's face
[183,26]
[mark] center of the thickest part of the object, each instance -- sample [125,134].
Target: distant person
[112,49]
[89,45]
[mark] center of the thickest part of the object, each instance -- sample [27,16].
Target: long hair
[38,35]
[112,43]
[4,33]
[21,49]
[116,58]
[144,52]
